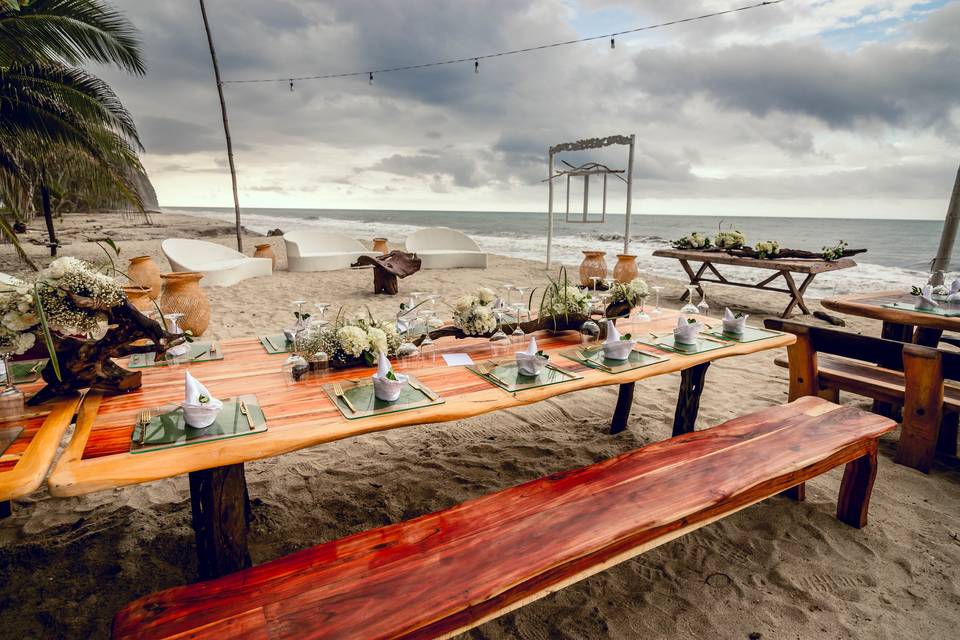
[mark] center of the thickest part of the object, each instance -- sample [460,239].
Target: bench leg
[922,408]
[927,337]
[622,412]
[221,512]
[688,401]
[855,488]
[5,509]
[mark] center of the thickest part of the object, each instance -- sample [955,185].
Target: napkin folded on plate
[528,362]
[686,332]
[614,347]
[383,387]
[926,300]
[733,324]
[200,408]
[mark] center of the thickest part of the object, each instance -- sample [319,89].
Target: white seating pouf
[322,251]
[443,248]
[221,266]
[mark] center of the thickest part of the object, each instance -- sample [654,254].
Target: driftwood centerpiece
[86,363]
[387,268]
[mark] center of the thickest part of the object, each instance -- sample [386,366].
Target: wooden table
[898,324]
[25,463]
[301,416]
[783,268]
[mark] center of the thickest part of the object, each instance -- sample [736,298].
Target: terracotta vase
[626,268]
[380,244]
[144,272]
[139,297]
[266,251]
[182,294]
[593,265]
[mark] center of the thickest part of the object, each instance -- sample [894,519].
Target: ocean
[899,251]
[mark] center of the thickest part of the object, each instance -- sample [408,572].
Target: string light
[500,54]
[291,85]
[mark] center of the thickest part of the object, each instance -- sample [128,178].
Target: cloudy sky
[840,108]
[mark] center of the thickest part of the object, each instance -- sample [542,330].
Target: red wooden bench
[452,570]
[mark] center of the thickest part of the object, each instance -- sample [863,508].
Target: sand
[779,569]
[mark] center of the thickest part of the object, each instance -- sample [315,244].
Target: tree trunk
[48,216]
[226,124]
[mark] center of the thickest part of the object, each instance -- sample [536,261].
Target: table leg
[900,333]
[928,337]
[221,513]
[796,293]
[5,509]
[688,401]
[694,277]
[622,412]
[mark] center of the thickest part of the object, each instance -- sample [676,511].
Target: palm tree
[51,109]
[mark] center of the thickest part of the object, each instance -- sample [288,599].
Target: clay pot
[626,269]
[144,272]
[380,244]
[139,297]
[593,265]
[182,294]
[266,251]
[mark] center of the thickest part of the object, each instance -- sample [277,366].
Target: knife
[422,389]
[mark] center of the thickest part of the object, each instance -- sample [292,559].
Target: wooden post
[804,374]
[586,196]
[855,489]
[688,401]
[549,207]
[949,233]
[922,407]
[626,230]
[226,124]
[621,414]
[221,511]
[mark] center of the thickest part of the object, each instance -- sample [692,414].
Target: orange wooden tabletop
[301,415]
[870,305]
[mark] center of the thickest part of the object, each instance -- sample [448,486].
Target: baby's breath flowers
[355,338]
[68,277]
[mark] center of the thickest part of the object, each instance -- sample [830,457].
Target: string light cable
[476,59]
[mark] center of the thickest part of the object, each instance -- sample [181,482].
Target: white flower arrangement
[767,249]
[67,277]
[631,292]
[729,240]
[474,313]
[566,300]
[364,337]
[693,241]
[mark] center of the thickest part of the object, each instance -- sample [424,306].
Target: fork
[586,358]
[486,370]
[338,391]
[144,419]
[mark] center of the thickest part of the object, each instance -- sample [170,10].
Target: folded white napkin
[200,407]
[614,348]
[733,324]
[955,286]
[613,334]
[926,299]
[383,365]
[383,387]
[528,362]
[686,332]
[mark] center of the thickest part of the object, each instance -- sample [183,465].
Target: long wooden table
[904,325]
[301,416]
[782,267]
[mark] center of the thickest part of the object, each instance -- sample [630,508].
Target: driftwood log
[89,363]
[387,268]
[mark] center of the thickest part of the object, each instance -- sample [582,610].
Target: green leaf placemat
[276,343]
[936,311]
[593,357]
[506,375]
[24,370]
[360,394]
[199,352]
[8,436]
[667,343]
[167,428]
[750,334]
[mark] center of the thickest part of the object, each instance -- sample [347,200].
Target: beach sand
[779,569]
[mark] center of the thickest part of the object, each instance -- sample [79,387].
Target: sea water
[899,251]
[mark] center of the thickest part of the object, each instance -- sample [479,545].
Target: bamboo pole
[226,125]
[550,207]
[949,234]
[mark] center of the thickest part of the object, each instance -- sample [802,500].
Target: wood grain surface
[446,572]
[870,305]
[302,416]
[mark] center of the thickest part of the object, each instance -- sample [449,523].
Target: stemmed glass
[321,310]
[519,309]
[422,323]
[657,311]
[690,307]
[172,321]
[499,335]
[642,315]
[703,308]
[11,398]
[594,280]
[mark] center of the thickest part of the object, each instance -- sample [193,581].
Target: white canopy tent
[585,171]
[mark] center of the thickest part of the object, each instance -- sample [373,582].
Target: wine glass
[172,320]
[321,307]
[589,332]
[11,399]
[703,308]
[594,280]
[690,307]
[422,324]
[657,311]
[642,315]
[499,335]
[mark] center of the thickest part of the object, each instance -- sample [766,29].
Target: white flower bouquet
[768,249]
[693,241]
[729,240]
[473,313]
[346,341]
[631,293]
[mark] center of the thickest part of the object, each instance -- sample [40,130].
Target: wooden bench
[825,361]
[449,571]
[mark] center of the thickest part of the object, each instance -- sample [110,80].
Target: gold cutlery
[144,419]
[246,414]
[559,370]
[338,391]
[416,384]
[590,359]
[487,371]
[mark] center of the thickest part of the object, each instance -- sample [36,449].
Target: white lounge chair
[221,266]
[443,248]
[322,251]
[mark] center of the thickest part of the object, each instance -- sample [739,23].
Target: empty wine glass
[422,324]
[642,315]
[657,311]
[321,307]
[589,332]
[499,335]
[594,280]
[690,307]
[11,399]
[703,308]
